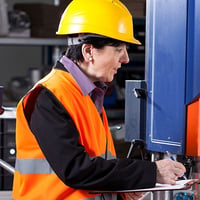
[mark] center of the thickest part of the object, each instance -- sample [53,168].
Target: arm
[58,138]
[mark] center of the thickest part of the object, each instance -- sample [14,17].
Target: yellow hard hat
[108,18]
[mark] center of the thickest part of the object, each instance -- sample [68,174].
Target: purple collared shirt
[95,90]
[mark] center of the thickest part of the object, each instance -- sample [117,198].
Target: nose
[124,58]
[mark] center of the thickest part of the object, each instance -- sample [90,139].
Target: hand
[132,196]
[168,171]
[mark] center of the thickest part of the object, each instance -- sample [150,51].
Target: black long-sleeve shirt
[58,138]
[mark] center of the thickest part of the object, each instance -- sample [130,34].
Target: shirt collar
[96,90]
[83,81]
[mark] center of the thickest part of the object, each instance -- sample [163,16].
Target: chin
[109,79]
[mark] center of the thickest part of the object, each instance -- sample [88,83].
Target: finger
[174,176]
[131,197]
[178,171]
[139,194]
[134,196]
[170,179]
[123,196]
[179,166]
[173,179]
[126,196]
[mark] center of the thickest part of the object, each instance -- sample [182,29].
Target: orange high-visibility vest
[34,178]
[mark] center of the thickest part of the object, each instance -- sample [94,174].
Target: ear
[87,52]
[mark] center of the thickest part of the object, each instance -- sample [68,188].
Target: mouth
[115,70]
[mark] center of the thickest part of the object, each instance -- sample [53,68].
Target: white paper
[181,184]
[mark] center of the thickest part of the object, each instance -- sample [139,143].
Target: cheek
[105,69]
[109,75]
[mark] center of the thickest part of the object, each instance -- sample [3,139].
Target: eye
[119,49]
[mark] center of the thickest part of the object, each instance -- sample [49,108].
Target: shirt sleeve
[58,137]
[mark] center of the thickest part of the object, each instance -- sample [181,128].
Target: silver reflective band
[81,39]
[41,166]
[109,156]
[73,41]
[33,166]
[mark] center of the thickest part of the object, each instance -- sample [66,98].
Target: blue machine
[172,74]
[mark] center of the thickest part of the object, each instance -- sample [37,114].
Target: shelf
[33,41]
[9,113]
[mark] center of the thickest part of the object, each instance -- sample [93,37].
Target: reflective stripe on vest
[41,165]
[33,166]
[35,173]
[109,156]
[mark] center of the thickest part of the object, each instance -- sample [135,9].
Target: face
[105,62]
